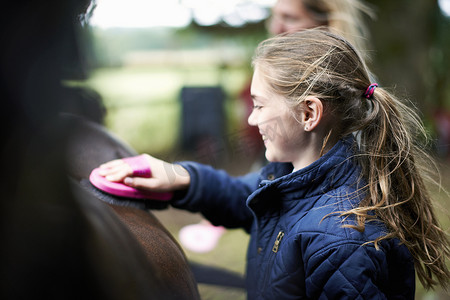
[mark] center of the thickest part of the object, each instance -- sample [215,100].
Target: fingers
[112,163]
[115,170]
[166,177]
[156,184]
[153,184]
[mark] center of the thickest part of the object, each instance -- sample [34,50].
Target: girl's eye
[257,107]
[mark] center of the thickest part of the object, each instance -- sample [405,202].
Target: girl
[342,211]
[345,17]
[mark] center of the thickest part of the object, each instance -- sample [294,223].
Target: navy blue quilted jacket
[297,249]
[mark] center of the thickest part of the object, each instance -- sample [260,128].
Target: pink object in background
[202,237]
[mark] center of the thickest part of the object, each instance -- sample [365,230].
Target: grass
[143,103]
[144,109]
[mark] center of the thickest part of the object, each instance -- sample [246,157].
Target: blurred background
[170,76]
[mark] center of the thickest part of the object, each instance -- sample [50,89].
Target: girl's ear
[312,112]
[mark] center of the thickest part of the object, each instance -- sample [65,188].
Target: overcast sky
[177,13]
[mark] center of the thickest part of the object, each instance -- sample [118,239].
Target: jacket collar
[278,183]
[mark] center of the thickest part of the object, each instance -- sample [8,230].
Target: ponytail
[396,191]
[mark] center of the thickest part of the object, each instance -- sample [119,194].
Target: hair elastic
[369,92]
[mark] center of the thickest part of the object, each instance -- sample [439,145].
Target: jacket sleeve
[348,271]
[220,197]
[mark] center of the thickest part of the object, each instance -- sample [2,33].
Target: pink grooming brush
[140,168]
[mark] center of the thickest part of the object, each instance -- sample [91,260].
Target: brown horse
[58,240]
[88,148]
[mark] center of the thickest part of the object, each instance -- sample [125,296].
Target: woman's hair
[318,63]
[343,17]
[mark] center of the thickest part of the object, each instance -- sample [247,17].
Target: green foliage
[110,45]
[143,106]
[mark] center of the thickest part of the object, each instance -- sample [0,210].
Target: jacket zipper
[276,245]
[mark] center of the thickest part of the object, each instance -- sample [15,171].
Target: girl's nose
[252,119]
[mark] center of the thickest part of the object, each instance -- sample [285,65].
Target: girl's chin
[274,158]
[269,156]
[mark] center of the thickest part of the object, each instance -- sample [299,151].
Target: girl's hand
[165,177]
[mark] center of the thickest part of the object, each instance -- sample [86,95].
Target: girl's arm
[220,197]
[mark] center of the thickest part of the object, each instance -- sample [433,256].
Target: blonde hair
[319,63]
[343,17]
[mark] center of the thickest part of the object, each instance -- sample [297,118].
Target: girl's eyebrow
[257,98]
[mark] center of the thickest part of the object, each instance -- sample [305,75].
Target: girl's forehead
[260,75]
[261,93]
[258,86]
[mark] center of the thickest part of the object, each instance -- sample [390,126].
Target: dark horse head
[58,239]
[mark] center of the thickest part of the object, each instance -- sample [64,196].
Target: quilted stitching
[317,259]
